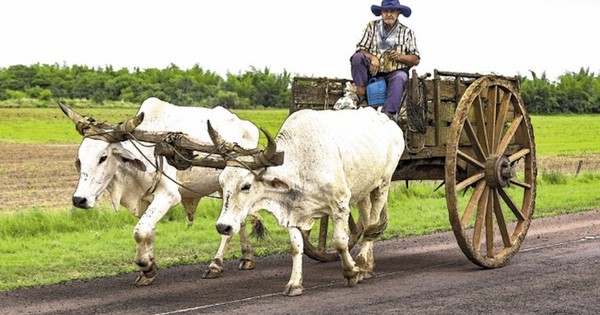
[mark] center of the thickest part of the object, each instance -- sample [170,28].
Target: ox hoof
[293,290]
[147,277]
[214,269]
[352,276]
[212,273]
[247,264]
[352,281]
[365,274]
[368,275]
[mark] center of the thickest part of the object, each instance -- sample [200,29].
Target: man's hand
[374,68]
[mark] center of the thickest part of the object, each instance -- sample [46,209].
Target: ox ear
[276,183]
[135,163]
[128,158]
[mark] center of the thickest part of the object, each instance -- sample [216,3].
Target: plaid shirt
[405,43]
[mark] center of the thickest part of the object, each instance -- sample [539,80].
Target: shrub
[554,177]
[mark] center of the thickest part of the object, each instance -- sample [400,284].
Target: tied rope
[157,164]
[416,111]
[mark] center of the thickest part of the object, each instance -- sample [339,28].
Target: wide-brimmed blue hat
[391,5]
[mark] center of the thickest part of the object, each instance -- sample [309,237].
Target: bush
[17,95]
[554,178]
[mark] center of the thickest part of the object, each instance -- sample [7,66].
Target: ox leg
[375,226]
[247,261]
[364,210]
[144,234]
[340,242]
[215,268]
[294,286]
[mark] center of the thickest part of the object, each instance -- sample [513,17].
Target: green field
[41,247]
[566,134]
[50,125]
[554,135]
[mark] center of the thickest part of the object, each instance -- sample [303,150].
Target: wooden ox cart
[469,131]
[472,133]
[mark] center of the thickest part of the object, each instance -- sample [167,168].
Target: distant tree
[539,95]
[261,87]
[578,92]
[228,100]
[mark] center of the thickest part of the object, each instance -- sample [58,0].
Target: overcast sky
[304,37]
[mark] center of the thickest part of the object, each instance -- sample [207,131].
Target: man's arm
[409,60]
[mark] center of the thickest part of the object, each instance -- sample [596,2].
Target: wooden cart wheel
[322,250]
[490,158]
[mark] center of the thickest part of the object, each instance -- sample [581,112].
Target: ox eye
[246,187]
[102,159]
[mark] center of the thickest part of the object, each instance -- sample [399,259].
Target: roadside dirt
[33,175]
[44,176]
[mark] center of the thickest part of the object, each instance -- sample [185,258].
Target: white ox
[130,179]
[333,159]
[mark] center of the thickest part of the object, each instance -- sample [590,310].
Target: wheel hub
[498,171]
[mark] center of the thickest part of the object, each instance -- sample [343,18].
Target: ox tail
[259,229]
[374,231]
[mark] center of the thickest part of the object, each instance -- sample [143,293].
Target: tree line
[194,87]
[572,92]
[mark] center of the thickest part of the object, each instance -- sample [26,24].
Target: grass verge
[40,247]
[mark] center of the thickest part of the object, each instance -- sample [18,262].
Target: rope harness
[158,163]
[181,158]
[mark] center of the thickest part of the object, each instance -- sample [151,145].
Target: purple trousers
[396,80]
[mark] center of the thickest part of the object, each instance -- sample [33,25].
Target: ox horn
[88,127]
[223,147]
[130,124]
[216,138]
[265,156]
[73,115]
[262,158]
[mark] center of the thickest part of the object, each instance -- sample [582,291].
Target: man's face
[390,16]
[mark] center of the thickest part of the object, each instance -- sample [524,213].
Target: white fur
[118,169]
[333,159]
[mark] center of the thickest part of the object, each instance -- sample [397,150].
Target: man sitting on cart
[387,49]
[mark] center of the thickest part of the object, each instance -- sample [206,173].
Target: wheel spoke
[481,132]
[469,159]
[491,117]
[474,141]
[514,126]
[489,226]
[518,155]
[520,184]
[472,203]
[511,205]
[481,209]
[465,183]
[501,120]
[500,219]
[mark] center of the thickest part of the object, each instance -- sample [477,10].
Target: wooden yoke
[181,150]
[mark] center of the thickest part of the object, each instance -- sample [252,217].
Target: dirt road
[557,271]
